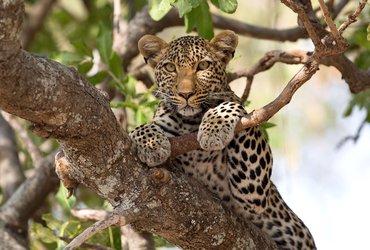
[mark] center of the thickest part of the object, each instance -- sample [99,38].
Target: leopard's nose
[186,95]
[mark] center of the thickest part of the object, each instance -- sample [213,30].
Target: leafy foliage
[360,43]
[196,13]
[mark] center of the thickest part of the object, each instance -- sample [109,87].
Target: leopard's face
[190,71]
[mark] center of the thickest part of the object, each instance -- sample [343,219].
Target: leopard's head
[190,71]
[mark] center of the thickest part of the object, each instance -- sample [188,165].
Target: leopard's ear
[152,48]
[225,44]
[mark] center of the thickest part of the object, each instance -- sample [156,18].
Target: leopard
[195,97]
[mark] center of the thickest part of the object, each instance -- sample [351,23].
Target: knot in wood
[160,174]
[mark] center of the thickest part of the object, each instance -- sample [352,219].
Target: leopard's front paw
[153,147]
[211,137]
[218,124]
[155,153]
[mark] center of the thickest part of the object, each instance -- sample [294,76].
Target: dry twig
[88,245]
[265,63]
[110,220]
[352,17]
[354,137]
[89,214]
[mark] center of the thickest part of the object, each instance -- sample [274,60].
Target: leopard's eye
[170,67]
[203,65]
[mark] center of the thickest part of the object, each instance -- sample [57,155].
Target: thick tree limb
[356,79]
[63,105]
[102,158]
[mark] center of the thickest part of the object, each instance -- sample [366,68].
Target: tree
[61,103]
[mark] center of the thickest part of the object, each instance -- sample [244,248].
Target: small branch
[110,220]
[353,17]
[329,21]
[354,137]
[269,59]
[305,19]
[89,214]
[88,245]
[130,237]
[356,79]
[247,89]
[185,143]
[265,63]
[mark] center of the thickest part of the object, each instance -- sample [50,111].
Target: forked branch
[185,143]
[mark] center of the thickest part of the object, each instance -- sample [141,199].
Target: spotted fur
[196,97]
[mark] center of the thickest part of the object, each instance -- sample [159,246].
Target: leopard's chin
[189,111]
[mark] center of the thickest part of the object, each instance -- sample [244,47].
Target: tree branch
[185,143]
[353,17]
[130,238]
[110,220]
[63,105]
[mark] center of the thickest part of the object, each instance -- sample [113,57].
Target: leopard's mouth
[188,110]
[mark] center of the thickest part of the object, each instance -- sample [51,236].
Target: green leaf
[68,58]
[66,203]
[267,125]
[104,43]
[82,48]
[70,228]
[185,6]
[98,77]
[201,19]
[264,126]
[43,233]
[115,65]
[228,6]
[52,222]
[159,8]
[140,117]
[130,86]
[85,67]
[363,60]
[361,101]
[126,104]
